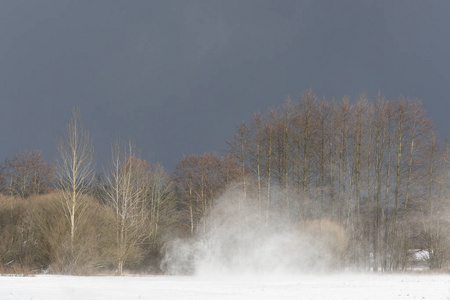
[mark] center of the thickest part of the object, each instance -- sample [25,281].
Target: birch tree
[74,170]
[126,194]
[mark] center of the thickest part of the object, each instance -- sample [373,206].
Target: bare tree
[161,203]
[126,193]
[323,135]
[26,174]
[256,148]
[357,133]
[74,170]
[184,178]
[239,149]
[434,209]
[268,151]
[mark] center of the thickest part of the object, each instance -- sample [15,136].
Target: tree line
[373,169]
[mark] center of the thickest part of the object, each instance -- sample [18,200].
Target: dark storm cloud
[178,76]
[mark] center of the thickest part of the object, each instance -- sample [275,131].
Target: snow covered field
[175,287]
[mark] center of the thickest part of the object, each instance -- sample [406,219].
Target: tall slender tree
[126,192]
[74,170]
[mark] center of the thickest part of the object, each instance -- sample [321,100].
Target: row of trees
[373,169]
[376,168]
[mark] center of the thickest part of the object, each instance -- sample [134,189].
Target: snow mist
[238,237]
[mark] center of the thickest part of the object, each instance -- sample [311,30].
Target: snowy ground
[164,287]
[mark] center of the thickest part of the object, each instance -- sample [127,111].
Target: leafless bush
[90,252]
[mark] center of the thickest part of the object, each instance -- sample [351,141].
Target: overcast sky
[179,76]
